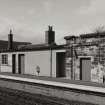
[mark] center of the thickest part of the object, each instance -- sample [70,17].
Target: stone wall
[93,48]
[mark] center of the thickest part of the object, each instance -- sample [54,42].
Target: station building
[47,59]
[81,58]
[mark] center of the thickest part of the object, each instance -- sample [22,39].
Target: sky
[29,19]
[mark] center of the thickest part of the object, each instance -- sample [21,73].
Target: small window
[4,59]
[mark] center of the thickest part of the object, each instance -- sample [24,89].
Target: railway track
[14,97]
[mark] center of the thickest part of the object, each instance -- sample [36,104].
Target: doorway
[21,65]
[60,64]
[13,63]
[85,69]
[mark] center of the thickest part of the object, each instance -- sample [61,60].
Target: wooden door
[85,69]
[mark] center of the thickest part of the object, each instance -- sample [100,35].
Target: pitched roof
[41,46]
[4,44]
[35,47]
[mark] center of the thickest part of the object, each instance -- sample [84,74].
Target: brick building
[85,57]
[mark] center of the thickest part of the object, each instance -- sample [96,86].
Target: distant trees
[99,29]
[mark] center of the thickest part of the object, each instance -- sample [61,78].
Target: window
[4,59]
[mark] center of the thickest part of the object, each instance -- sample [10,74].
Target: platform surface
[59,82]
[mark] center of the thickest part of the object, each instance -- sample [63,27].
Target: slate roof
[41,47]
[35,47]
[4,44]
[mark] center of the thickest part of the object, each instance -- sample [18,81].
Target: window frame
[4,59]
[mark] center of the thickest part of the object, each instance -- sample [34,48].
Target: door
[14,63]
[60,64]
[85,69]
[21,65]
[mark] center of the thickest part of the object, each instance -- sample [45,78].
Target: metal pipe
[51,62]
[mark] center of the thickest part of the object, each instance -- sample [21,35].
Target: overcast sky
[30,18]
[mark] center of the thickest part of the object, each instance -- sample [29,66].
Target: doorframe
[14,66]
[19,63]
[80,59]
[57,66]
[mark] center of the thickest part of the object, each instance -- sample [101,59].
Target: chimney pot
[50,36]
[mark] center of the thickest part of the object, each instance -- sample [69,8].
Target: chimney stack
[50,36]
[10,40]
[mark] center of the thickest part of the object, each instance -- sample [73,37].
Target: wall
[37,58]
[95,50]
[6,67]
[34,59]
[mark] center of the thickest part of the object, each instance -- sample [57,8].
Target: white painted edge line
[60,84]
